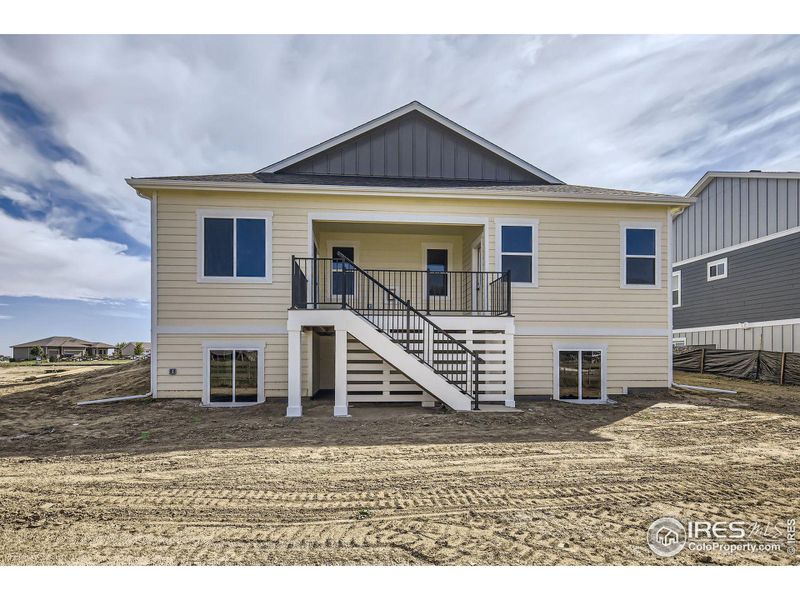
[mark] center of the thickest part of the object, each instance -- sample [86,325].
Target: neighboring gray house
[129,349]
[736,263]
[61,346]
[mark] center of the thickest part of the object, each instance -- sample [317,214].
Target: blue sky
[79,114]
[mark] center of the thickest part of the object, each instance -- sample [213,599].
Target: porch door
[343,283]
[436,260]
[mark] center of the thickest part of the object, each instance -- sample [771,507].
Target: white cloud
[649,113]
[622,111]
[38,261]
[19,197]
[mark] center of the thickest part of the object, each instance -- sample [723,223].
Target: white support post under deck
[294,407]
[340,377]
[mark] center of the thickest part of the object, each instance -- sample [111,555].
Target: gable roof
[710,175]
[60,340]
[451,132]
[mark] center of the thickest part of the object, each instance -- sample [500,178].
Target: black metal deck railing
[339,283]
[326,282]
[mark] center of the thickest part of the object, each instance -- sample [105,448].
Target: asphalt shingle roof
[441,184]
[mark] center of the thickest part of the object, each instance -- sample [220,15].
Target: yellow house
[407,259]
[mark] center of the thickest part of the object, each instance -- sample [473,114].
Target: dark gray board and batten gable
[734,209]
[413,146]
[412,142]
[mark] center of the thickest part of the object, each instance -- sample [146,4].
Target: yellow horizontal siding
[579,257]
[632,362]
[185,353]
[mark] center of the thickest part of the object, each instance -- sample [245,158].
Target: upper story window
[717,269]
[517,242]
[676,289]
[640,258]
[234,246]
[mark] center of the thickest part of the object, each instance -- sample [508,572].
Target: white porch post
[294,407]
[340,382]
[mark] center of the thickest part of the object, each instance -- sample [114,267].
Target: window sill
[640,286]
[246,280]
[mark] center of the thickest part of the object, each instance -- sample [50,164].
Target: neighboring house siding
[579,284]
[763,284]
[776,338]
[732,210]
[413,146]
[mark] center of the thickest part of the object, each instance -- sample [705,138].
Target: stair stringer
[420,373]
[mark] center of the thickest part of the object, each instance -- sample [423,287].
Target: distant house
[129,349]
[735,279]
[61,346]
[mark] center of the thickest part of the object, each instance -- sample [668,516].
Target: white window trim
[679,289]
[203,214]
[714,263]
[576,347]
[498,249]
[623,228]
[208,346]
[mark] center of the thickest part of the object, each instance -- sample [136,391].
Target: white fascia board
[341,190]
[706,179]
[399,112]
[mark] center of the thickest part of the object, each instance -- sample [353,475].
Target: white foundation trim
[594,331]
[745,325]
[223,329]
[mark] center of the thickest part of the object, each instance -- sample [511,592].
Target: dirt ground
[171,482]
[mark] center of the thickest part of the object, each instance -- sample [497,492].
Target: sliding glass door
[580,375]
[233,376]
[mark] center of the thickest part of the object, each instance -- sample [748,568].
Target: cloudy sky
[79,114]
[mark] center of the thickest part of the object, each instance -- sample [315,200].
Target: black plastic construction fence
[758,365]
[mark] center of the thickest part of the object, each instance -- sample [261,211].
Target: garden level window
[517,255]
[717,269]
[233,376]
[580,375]
[235,248]
[640,261]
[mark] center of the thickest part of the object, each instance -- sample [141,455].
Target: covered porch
[437,268]
[400,312]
